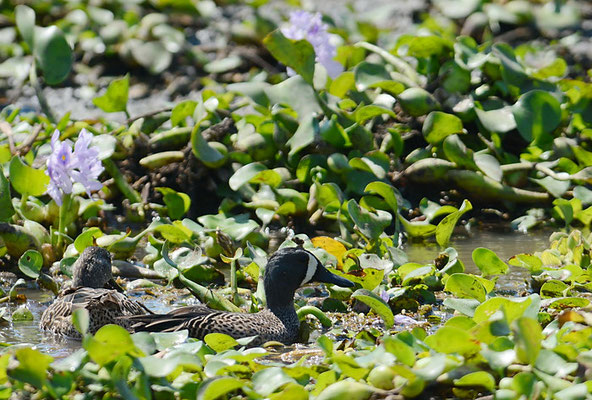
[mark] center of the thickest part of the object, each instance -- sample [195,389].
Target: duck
[287,270]
[94,289]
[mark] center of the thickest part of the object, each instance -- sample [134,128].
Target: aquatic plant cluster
[304,123]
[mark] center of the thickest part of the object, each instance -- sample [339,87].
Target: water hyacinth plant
[309,26]
[66,167]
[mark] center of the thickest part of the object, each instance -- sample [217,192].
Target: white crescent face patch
[311,269]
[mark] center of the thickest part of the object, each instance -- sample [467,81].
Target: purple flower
[384,296]
[66,167]
[305,25]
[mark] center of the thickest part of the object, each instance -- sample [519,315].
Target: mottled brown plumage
[287,269]
[91,274]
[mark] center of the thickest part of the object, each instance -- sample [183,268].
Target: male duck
[91,276]
[286,270]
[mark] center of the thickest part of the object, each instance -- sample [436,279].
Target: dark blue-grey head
[93,269]
[291,267]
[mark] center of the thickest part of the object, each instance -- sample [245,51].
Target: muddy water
[504,244]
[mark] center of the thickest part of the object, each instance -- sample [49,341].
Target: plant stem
[34,80]
[233,282]
[62,220]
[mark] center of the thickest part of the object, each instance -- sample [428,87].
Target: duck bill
[324,275]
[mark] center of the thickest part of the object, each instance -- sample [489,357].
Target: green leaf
[220,342]
[465,286]
[537,114]
[488,262]
[32,367]
[30,263]
[370,224]
[6,208]
[367,74]
[480,379]
[217,387]
[554,186]
[386,191]
[450,339]
[334,134]
[304,135]
[244,174]
[457,152]
[296,54]
[181,111]
[22,314]
[497,120]
[446,226]
[527,336]
[53,54]
[438,125]
[26,180]
[489,165]
[177,203]
[86,238]
[108,344]
[377,304]
[81,320]
[115,98]
[268,380]
[346,389]
[25,21]
[365,113]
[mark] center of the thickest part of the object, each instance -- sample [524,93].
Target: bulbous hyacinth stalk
[66,167]
[305,25]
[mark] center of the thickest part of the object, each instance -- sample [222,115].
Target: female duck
[286,270]
[91,277]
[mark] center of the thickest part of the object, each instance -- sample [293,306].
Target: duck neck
[281,303]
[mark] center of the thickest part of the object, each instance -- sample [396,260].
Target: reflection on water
[504,244]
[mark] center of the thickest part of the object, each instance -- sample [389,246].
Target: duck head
[291,267]
[93,269]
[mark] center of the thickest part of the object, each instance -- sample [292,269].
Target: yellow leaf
[332,247]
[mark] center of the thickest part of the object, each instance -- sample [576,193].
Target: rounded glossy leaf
[480,379]
[53,54]
[108,344]
[489,165]
[527,336]
[417,101]
[22,313]
[218,387]
[220,342]
[268,380]
[85,239]
[367,74]
[438,125]
[27,180]
[465,286]
[346,389]
[30,263]
[450,339]
[377,304]
[244,174]
[386,191]
[25,21]
[488,262]
[537,114]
